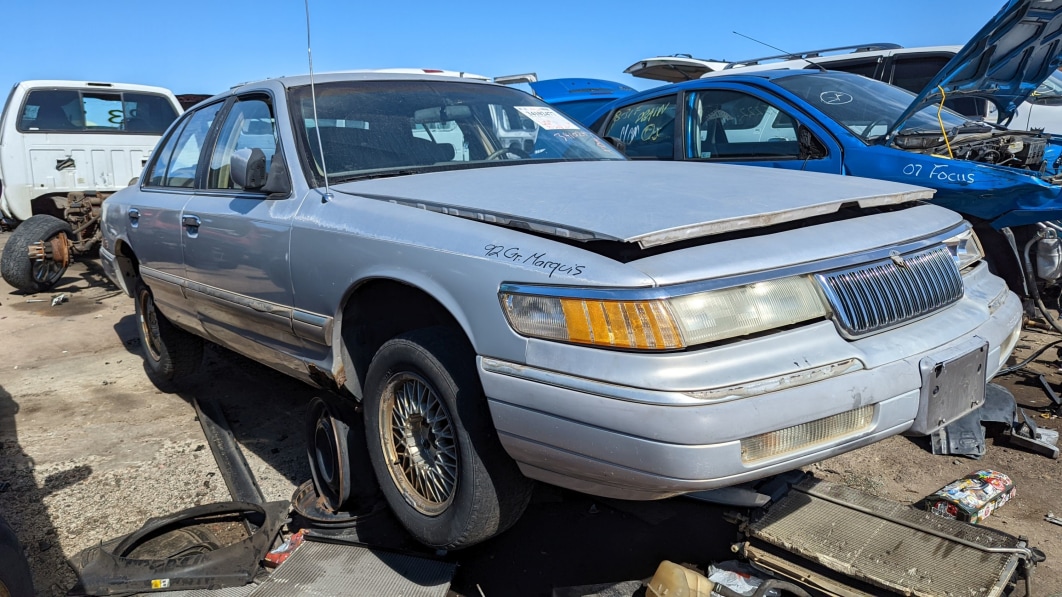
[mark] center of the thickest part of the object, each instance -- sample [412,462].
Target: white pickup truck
[64,147]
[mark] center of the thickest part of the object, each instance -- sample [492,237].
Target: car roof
[99,85]
[288,82]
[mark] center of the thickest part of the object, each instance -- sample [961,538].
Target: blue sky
[201,46]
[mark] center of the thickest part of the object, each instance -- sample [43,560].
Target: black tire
[15,577]
[169,352]
[478,490]
[15,265]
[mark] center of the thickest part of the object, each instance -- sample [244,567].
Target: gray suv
[556,312]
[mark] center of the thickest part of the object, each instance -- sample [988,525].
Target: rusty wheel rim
[47,273]
[149,326]
[419,443]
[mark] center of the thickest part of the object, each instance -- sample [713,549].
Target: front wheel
[433,445]
[169,352]
[37,275]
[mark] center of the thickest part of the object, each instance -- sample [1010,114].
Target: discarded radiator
[851,544]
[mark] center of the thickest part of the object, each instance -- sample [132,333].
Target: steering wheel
[507,150]
[870,127]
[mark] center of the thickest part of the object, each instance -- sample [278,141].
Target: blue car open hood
[1004,62]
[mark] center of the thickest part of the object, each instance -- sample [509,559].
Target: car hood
[1004,62]
[649,203]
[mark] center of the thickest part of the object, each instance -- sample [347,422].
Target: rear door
[154,213]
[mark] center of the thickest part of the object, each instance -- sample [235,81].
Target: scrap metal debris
[59,299]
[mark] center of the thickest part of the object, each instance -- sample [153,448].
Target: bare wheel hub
[50,258]
[149,325]
[418,441]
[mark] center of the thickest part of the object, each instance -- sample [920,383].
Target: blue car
[578,98]
[1007,182]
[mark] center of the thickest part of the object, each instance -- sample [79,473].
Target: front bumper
[585,426]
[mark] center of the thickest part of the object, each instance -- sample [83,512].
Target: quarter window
[177,163]
[647,129]
[249,125]
[734,125]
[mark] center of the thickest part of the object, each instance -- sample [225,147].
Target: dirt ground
[90,449]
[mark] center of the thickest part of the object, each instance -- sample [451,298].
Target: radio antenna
[313,99]
[790,54]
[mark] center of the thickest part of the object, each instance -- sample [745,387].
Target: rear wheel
[433,445]
[33,275]
[169,352]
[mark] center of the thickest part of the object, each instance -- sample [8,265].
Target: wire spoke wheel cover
[418,442]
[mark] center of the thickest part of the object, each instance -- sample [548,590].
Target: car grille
[876,296]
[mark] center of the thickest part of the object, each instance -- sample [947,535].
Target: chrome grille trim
[883,294]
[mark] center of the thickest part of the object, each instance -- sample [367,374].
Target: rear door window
[914,72]
[646,128]
[868,66]
[177,163]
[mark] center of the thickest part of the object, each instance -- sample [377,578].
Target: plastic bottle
[672,580]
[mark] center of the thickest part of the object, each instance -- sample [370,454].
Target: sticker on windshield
[547,118]
[835,98]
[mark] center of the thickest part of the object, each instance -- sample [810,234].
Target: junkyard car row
[511,298]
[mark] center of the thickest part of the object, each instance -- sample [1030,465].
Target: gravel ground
[90,449]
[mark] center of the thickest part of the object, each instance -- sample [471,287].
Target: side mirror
[247,169]
[619,145]
[810,146]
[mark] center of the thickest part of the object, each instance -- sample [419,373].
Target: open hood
[649,203]
[673,69]
[1016,51]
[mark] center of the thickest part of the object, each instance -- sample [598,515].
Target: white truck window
[69,110]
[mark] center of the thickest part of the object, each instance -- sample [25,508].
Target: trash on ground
[972,498]
[288,547]
[672,579]
[739,577]
[59,299]
[204,546]
[1053,519]
[966,436]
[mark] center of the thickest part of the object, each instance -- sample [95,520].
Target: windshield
[865,106]
[387,128]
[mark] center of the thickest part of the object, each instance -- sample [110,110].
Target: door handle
[134,213]
[190,221]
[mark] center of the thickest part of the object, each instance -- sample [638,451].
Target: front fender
[1002,195]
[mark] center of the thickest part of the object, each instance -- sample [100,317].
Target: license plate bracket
[953,384]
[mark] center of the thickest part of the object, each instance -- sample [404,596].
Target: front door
[236,241]
[739,127]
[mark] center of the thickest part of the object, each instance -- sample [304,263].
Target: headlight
[965,249]
[665,323]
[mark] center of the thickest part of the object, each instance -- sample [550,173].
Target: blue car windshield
[865,106]
[395,127]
